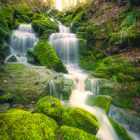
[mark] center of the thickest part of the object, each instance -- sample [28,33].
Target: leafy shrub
[43,24]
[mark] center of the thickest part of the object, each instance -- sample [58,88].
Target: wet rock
[26,82]
[4,107]
[67,88]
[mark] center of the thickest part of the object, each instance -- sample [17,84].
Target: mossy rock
[102,101]
[49,106]
[19,124]
[46,34]
[41,25]
[79,118]
[29,83]
[122,133]
[71,133]
[47,57]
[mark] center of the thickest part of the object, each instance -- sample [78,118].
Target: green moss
[41,25]
[115,67]
[19,124]
[101,101]
[46,34]
[49,106]
[122,133]
[71,133]
[79,118]
[47,57]
[6,97]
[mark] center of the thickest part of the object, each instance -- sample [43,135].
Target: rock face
[128,118]
[26,82]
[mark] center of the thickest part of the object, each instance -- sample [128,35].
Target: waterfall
[21,39]
[66,46]
[93,85]
[53,91]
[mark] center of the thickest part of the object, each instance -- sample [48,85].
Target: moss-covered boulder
[102,101]
[49,106]
[29,83]
[122,133]
[43,24]
[19,124]
[47,57]
[79,118]
[71,133]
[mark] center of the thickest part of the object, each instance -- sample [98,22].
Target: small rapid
[21,39]
[66,46]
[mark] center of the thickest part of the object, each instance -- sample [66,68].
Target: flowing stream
[21,39]
[66,46]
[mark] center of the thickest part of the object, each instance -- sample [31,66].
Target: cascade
[53,91]
[93,85]
[66,46]
[21,39]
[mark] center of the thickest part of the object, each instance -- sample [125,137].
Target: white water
[21,39]
[66,46]
[53,91]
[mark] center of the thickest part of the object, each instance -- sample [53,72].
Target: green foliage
[71,133]
[126,30]
[19,124]
[78,18]
[23,9]
[47,56]
[101,101]
[122,133]
[111,67]
[23,18]
[79,118]
[49,106]
[4,51]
